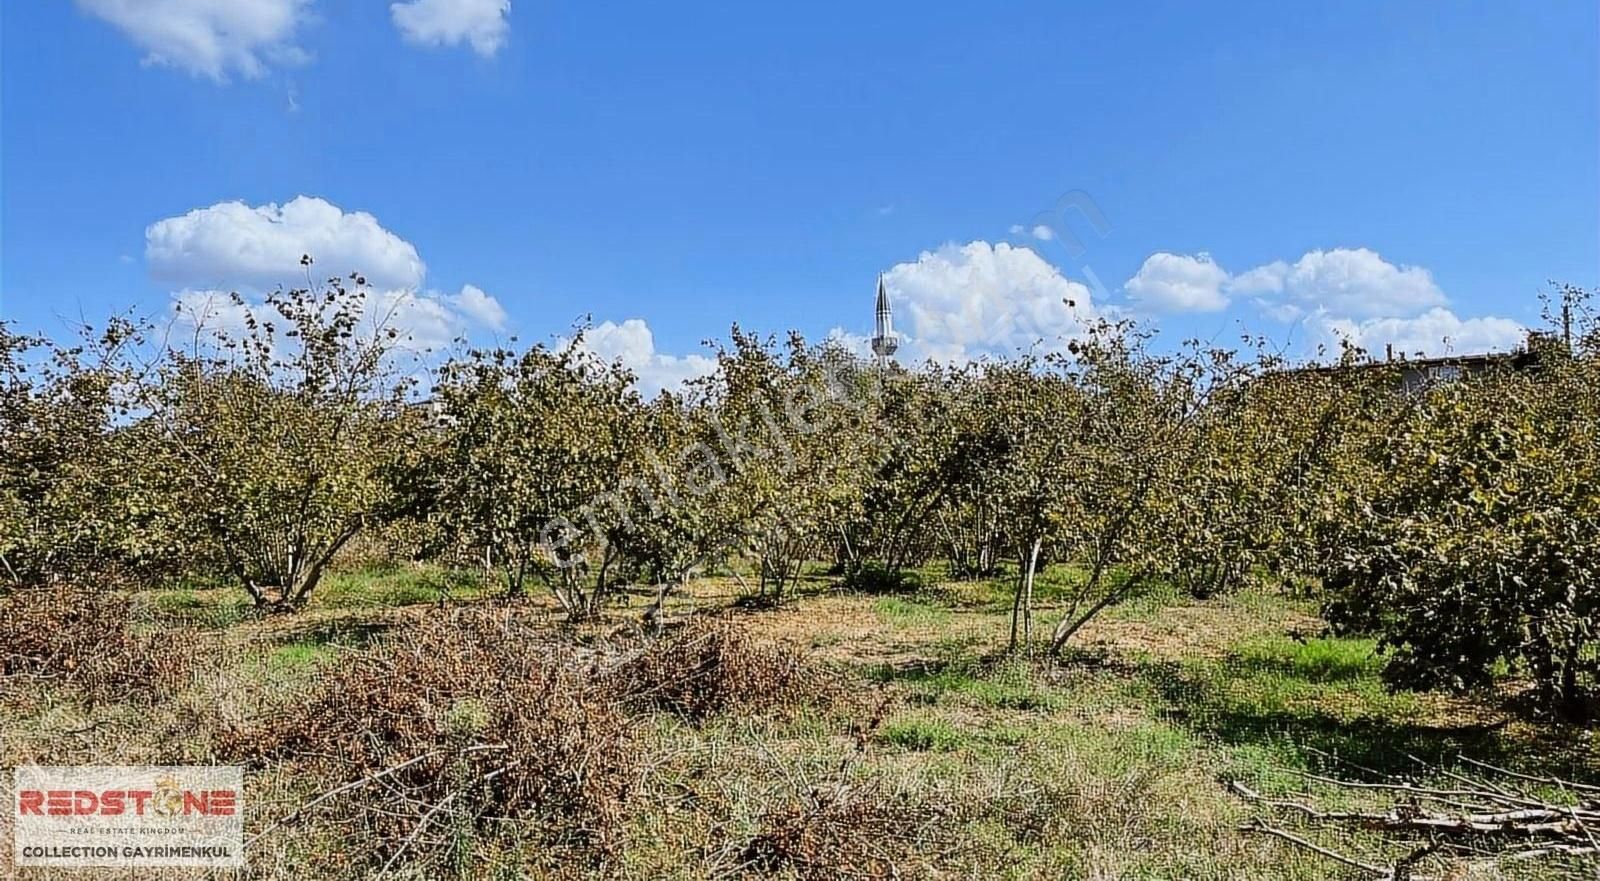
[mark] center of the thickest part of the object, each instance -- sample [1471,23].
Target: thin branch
[1262,828]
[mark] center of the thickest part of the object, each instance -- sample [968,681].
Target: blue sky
[1394,172]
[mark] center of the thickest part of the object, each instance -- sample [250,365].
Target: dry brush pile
[87,640]
[713,665]
[431,740]
[449,726]
[855,831]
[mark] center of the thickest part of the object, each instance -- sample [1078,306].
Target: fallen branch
[1470,818]
[427,818]
[1262,828]
[305,808]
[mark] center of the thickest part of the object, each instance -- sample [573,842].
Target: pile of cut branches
[715,665]
[444,729]
[855,831]
[1486,816]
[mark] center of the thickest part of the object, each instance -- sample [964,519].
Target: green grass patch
[919,734]
[396,586]
[963,679]
[1057,582]
[298,657]
[1275,702]
[212,608]
[1314,660]
[903,612]
[1146,601]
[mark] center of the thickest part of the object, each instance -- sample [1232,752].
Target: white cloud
[962,301]
[1435,332]
[481,23]
[210,38]
[480,307]
[854,343]
[213,312]
[1179,283]
[633,344]
[231,243]
[424,321]
[1349,282]
[1265,279]
[1041,232]
[231,246]
[1339,294]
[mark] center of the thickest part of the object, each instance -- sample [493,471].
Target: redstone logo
[117,802]
[129,816]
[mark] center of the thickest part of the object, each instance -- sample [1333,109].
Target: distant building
[1417,373]
[884,342]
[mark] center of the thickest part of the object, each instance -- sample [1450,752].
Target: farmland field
[1114,762]
[485,440]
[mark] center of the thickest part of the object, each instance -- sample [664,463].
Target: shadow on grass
[1201,700]
[342,633]
[874,579]
[996,680]
[203,608]
[1332,672]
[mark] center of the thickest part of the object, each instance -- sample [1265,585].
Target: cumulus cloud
[210,38]
[1349,282]
[428,320]
[210,252]
[959,302]
[480,307]
[1179,283]
[482,24]
[216,313]
[1353,282]
[425,321]
[1338,294]
[633,345]
[1354,295]
[1435,332]
[231,243]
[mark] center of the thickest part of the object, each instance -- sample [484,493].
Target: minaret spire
[884,342]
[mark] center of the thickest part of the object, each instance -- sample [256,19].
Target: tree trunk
[1016,614]
[1027,598]
[1571,702]
[1022,601]
[515,576]
[652,615]
[1070,625]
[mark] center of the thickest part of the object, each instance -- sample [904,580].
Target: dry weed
[446,727]
[86,639]
[854,831]
[713,665]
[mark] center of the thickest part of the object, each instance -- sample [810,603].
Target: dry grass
[854,831]
[713,665]
[722,749]
[459,722]
[86,640]
[1208,629]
